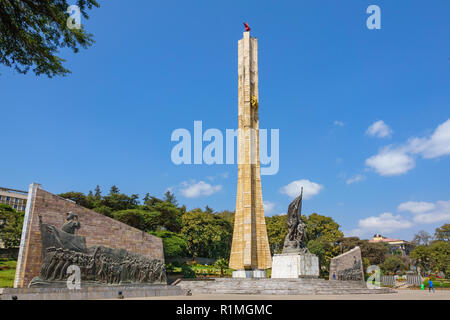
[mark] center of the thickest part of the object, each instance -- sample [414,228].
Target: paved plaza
[399,295]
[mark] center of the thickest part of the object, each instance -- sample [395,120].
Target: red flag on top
[247,28]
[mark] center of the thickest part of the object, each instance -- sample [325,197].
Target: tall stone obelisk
[250,253]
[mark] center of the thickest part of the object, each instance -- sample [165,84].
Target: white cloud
[268,206]
[390,162]
[338,123]
[379,129]
[441,213]
[394,161]
[427,212]
[384,223]
[423,213]
[435,146]
[355,179]
[194,189]
[310,189]
[416,207]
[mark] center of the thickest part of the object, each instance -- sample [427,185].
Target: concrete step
[278,286]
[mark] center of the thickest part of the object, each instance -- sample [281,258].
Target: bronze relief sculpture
[99,265]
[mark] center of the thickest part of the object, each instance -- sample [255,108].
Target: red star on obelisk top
[247,28]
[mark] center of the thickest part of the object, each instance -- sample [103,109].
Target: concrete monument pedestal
[249,274]
[295,265]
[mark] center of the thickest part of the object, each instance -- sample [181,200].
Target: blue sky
[324,79]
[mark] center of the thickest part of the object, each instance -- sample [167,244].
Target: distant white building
[395,244]
[17,199]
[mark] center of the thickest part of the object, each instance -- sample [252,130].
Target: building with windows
[396,245]
[14,198]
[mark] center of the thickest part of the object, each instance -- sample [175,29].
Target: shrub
[170,267]
[187,271]
[174,244]
[104,210]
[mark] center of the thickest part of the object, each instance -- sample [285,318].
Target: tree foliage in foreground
[443,233]
[174,244]
[33,31]
[11,231]
[374,252]
[393,264]
[323,233]
[276,232]
[207,234]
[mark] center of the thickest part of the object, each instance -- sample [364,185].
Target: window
[23,208]
[8,198]
[16,200]
[15,206]
[1,198]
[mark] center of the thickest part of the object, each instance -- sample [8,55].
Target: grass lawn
[7,273]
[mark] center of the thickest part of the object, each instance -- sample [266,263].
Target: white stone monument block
[290,265]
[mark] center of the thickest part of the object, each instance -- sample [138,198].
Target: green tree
[276,232]
[221,264]
[366,263]
[226,215]
[120,201]
[174,244]
[208,209]
[32,32]
[78,197]
[207,235]
[325,250]
[98,193]
[114,190]
[106,211]
[169,215]
[422,257]
[348,243]
[318,226]
[443,233]
[322,234]
[422,238]
[11,228]
[374,252]
[131,217]
[393,264]
[150,200]
[440,256]
[139,219]
[170,197]
[146,198]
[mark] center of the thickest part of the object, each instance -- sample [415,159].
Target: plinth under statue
[295,261]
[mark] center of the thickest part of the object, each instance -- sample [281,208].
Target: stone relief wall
[347,266]
[97,229]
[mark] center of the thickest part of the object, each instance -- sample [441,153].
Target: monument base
[295,265]
[249,274]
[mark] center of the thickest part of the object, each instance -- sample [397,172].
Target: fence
[413,280]
[388,280]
